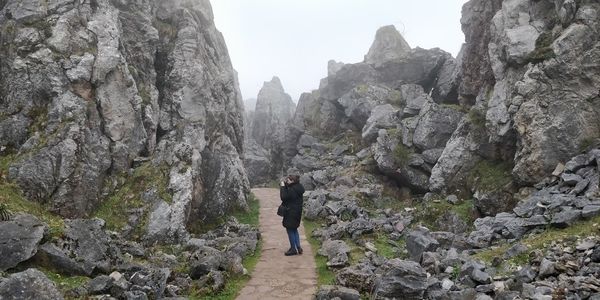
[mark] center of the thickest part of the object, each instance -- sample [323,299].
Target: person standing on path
[291,192]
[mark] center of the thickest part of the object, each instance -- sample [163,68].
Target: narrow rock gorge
[127,157]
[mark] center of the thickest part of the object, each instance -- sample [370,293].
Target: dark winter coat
[292,197]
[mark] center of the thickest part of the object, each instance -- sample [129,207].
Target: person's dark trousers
[294,238]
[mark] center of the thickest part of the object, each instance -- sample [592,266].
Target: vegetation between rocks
[12,198]
[489,175]
[116,208]
[324,275]
[540,241]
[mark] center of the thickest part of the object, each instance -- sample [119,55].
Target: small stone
[586,245]
[452,199]
[481,277]
[546,268]
[369,246]
[558,170]
[447,284]
[485,288]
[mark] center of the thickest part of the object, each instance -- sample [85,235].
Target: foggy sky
[294,39]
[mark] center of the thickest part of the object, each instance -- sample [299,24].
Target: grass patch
[455,107]
[401,154]
[12,197]
[588,143]
[65,283]
[477,118]
[543,49]
[542,241]
[324,275]
[165,30]
[384,247]
[39,118]
[396,98]
[114,210]
[428,213]
[489,175]
[249,217]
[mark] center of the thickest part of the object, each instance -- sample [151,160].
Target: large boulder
[401,279]
[359,103]
[435,126]
[395,161]
[336,251]
[85,249]
[19,239]
[419,241]
[30,284]
[382,117]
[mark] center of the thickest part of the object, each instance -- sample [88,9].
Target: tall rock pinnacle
[388,45]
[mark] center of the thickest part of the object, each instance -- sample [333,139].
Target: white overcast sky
[294,39]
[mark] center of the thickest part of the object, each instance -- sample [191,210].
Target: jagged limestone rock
[388,45]
[89,88]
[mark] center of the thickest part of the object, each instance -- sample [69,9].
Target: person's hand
[282,183]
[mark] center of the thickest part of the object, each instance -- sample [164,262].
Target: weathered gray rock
[360,277]
[394,163]
[360,101]
[401,280]
[30,284]
[382,117]
[419,241]
[274,108]
[475,70]
[327,292]
[19,239]
[336,252]
[257,163]
[86,249]
[105,91]
[435,125]
[100,285]
[388,45]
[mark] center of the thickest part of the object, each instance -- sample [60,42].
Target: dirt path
[277,276]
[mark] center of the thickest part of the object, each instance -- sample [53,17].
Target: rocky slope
[441,178]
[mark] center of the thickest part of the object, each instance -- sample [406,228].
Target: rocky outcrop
[388,45]
[274,109]
[88,88]
[346,97]
[525,86]
[269,137]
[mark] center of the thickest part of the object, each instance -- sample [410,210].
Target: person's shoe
[291,252]
[300,251]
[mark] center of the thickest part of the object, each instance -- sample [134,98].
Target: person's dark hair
[294,178]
